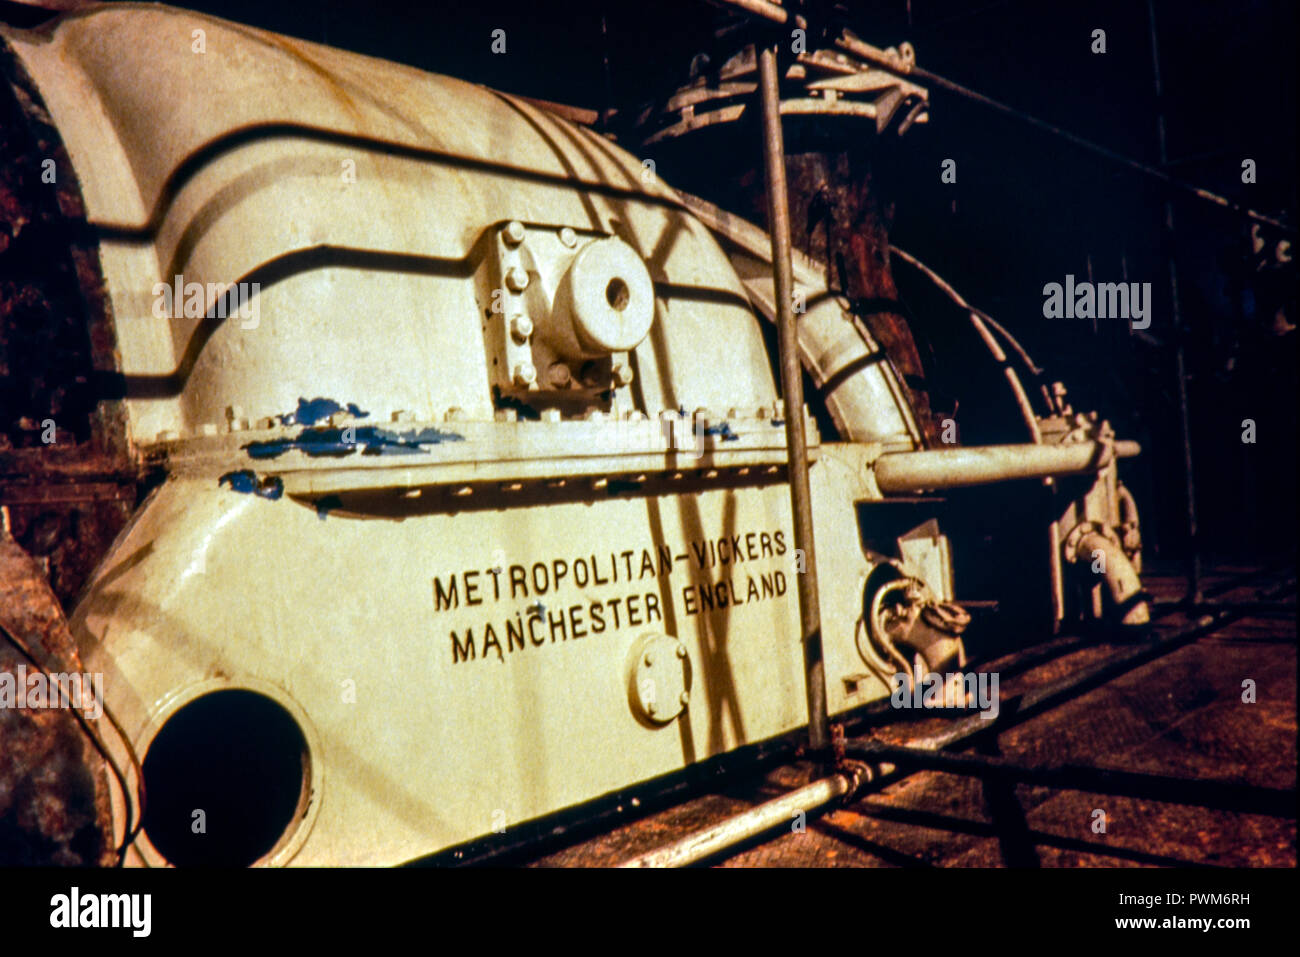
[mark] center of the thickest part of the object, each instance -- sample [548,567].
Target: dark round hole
[617,294]
[239,758]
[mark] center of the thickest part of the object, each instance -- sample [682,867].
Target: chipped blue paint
[385,442]
[325,503]
[778,421]
[311,411]
[246,481]
[369,439]
[723,431]
[311,441]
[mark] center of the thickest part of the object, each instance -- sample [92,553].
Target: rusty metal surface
[1180,715]
[821,83]
[54,805]
[836,219]
[65,470]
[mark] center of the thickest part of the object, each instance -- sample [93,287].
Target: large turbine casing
[454,577]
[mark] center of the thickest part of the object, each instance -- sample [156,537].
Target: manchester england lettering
[711,565]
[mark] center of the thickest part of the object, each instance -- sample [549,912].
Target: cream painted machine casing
[359,560]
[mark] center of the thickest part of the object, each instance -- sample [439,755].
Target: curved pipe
[1130,527]
[980,321]
[1120,575]
[859,384]
[1128,509]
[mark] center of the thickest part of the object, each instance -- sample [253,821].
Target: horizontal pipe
[1262,609]
[1014,711]
[761,8]
[734,830]
[1227,795]
[981,464]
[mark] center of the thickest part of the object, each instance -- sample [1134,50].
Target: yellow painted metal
[357,192]
[444,585]
[978,465]
[479,586]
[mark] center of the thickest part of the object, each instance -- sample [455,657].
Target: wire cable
[908,70]
[133,808]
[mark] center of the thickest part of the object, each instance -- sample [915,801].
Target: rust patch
[836,219]
[54,804]
[66,468]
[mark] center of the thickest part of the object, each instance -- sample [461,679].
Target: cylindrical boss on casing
[603,304]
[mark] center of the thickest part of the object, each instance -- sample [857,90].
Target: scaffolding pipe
[784,810]
[778,217]
[1180,333]
[878,770]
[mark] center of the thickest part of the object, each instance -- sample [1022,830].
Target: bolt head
[622,374]
[649,659]
[681,651]
[521,327]
[513,233]
[525,375]
[568,237]
[685,698]
[516,279]
[558,375]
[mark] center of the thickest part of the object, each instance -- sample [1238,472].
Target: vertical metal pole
[1180,360]
[778,218]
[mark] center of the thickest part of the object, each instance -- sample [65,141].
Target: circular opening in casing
[617,294]
[225,779]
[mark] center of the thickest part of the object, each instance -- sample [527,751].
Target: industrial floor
[1181,715]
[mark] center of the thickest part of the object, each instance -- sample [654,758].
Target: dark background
[1026,209]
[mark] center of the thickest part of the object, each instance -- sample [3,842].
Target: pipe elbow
[1118,572]
[1130,527]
